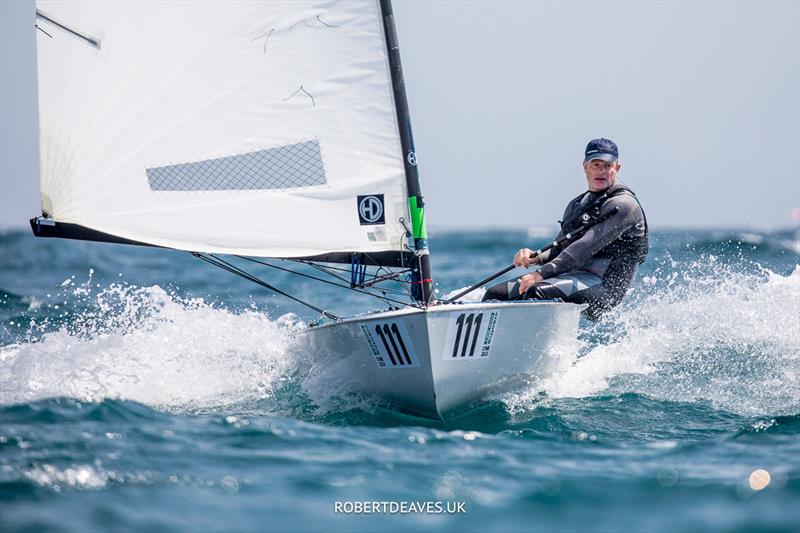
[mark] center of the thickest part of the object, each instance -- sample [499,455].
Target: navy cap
[603,149]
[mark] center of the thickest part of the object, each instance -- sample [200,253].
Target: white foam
[474,296]
[704,333]
[728,338]
[146,345]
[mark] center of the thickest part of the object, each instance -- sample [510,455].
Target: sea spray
[143,344]
[622,447]
[721,335]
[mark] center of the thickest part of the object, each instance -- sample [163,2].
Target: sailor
[597,268]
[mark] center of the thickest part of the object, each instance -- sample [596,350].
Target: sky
[703,99]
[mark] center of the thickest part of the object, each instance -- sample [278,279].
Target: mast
[415,202]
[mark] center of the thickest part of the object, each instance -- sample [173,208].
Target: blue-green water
[142,389]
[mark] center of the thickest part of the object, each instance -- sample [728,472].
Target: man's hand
[524,259]
[526,281]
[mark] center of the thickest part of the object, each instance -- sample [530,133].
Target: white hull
[432,362]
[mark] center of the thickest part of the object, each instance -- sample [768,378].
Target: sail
[253,128]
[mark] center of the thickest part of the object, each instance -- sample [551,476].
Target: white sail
[247,128]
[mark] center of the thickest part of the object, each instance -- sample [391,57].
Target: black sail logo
[371,210]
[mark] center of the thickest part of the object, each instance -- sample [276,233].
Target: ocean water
[141,389]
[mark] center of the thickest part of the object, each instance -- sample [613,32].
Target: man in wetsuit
[598,267]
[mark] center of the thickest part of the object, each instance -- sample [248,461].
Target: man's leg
[562,287]
[568,287]
[575,287]
[508,290]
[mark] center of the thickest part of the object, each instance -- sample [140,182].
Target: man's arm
[544,257]
[597,237]
[523,257]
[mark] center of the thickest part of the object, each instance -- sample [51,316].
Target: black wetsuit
[598,267]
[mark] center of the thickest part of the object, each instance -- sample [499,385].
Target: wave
[69,410]
[780,425]
[146,345]
[716,335]
[701,332]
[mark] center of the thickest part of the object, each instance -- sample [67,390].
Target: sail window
[283,167]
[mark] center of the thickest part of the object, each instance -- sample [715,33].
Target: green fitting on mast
[417,222]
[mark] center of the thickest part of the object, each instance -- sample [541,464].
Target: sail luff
[415,200]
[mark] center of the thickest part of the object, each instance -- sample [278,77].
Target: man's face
[601,175]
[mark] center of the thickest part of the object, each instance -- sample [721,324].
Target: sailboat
[268,134]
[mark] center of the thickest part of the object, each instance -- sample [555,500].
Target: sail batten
[259,129]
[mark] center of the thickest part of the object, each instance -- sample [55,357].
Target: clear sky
[703,99]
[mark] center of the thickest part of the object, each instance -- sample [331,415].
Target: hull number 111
[470,336]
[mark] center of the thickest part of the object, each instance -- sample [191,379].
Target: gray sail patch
[283,167]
